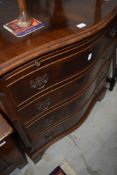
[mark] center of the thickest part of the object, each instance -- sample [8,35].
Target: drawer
[41,105]
[55,132]
[52,75]
[60,129]
[58,115]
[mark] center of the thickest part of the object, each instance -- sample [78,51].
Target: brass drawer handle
[42,106]
[37,63]
[39,82]
[3,143]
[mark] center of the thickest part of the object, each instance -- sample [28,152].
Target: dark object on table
[58,171]
[24,19]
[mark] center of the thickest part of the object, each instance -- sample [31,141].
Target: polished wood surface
[5,128]
[52,78]
[44,76]
[60,18]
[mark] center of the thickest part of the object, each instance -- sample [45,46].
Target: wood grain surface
[51,79]
[60,19]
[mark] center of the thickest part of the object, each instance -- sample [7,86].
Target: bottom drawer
[47,137]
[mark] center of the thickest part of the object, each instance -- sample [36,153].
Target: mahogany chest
[51,79]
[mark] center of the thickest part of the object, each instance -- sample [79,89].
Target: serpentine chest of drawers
[51,79]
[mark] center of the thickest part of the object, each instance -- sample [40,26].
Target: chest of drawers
[51,79]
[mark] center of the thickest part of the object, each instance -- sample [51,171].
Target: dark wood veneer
[51,79]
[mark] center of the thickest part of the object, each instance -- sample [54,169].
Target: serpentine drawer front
[54,98]
[60,113]
[41,125]
[39,80]
[51,79]
[41,105]
[55,131]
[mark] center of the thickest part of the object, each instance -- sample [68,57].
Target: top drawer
[38,81]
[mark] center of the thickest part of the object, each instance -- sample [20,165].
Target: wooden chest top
[60,18]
